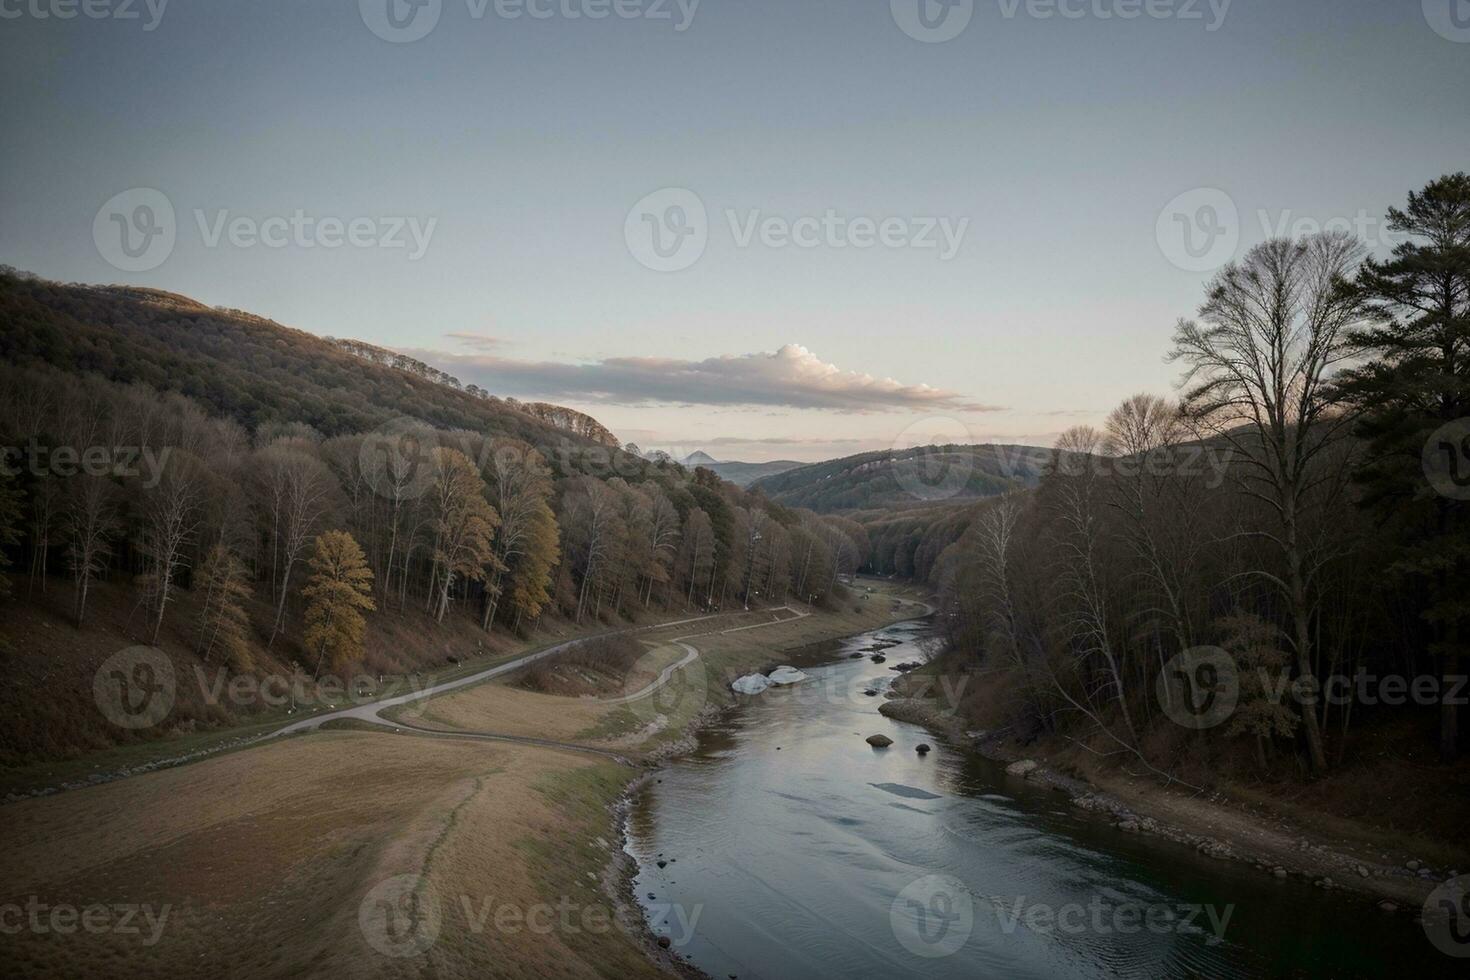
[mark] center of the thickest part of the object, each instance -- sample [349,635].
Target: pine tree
[337,593]
[1416,383]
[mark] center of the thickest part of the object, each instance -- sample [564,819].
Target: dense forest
[294,490]
[1277,558]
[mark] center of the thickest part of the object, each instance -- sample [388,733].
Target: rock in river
[922,748]
[879,741]
[1022,768]
[786,675]
[751,684]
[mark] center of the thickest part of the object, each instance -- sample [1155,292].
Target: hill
[889,479]
[246,367]
[744,474]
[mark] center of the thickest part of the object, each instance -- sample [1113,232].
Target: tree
[530,576]
[299,487]
[89,521]
[338,591]
[1271,333]
[171,517]
[698,552]
[223,623]
[520,488]
[594,533]
[10,518]
[464,526]
[1417,381]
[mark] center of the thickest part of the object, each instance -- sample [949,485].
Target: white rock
[750,684]
[786,675]
[1022,768]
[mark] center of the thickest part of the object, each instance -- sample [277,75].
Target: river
[800,851]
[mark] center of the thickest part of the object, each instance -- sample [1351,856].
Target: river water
[800,851]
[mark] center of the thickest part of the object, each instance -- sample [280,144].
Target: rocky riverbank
[1205,823]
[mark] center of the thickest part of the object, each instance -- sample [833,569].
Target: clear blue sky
[526,141]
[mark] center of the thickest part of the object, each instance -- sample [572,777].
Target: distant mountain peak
[699,458]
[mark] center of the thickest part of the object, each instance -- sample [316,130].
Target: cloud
[793,377]
[477,341]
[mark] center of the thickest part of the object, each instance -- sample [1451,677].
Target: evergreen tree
[1411,395]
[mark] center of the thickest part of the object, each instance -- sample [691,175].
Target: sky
[766,229]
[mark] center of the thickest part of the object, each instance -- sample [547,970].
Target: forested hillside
[906,477]
[245,494]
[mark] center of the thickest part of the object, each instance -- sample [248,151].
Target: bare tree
[89,521]
[171,517]
[1271,333]
[299,487]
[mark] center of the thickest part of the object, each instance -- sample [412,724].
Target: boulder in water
[1022,768]
[785,675]
[922,748]
[879,741]
[750,684]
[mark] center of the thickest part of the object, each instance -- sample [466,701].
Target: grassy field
[368,853]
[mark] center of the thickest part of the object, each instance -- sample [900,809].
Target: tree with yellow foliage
[338,592]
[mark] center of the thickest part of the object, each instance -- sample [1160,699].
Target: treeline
[1291,535]
[121,482]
